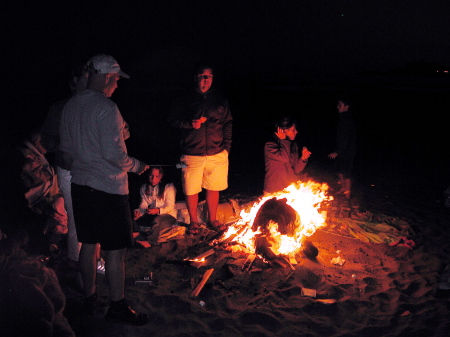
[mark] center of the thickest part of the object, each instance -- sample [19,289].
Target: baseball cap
[105,64]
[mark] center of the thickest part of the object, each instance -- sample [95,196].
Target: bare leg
[88,267]
[192,202]
[73,246]
[341,182]
[97,252]
[212,200]
[115,273]
[347,186]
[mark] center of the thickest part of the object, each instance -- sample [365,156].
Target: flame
[305,198]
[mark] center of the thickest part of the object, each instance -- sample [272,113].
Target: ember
[277,223]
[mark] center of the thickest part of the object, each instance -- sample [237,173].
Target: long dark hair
[285,122]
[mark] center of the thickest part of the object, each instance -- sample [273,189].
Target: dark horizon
[248,38]
[273,58]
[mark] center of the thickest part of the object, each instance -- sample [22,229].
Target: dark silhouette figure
[345,152]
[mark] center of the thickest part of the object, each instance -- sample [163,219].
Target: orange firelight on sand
[305,198]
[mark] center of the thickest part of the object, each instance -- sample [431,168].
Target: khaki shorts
[209,172]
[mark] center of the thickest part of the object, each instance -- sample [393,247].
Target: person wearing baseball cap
[105,64]
[93,143]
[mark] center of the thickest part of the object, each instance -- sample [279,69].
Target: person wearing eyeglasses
[205,121]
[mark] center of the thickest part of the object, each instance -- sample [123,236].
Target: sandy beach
[375,289]
[379,290]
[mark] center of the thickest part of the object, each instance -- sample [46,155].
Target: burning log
[274,228]
[200,259]
[277,211]
[292,260]
[282,261]
[224,242]
[310,250]
[263,248]
[203,255]
[202,283]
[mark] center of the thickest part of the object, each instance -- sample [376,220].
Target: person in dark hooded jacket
[205,121]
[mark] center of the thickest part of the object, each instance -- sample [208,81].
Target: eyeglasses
[204,77]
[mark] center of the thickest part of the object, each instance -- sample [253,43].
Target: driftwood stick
[284,259]
[202,283]
[204,254]
[248,263]
[287,278]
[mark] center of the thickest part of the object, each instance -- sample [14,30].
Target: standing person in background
[92,142]
[157,199]
[205,121]
[345,153]
[283,163]
[50,132]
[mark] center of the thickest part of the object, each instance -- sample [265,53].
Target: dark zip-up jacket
[214,135]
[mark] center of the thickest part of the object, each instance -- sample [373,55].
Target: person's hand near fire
[305,154]
[290,134]
[197,123]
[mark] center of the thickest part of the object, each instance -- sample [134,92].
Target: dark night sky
[157,42]
[268,38]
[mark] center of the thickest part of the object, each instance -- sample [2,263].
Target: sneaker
[122,312]
[92,305]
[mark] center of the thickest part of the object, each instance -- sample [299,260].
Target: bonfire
[277,224]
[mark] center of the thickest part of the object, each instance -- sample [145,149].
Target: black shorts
[102,217]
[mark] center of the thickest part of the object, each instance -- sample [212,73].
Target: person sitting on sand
[283,163]
[157,200]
